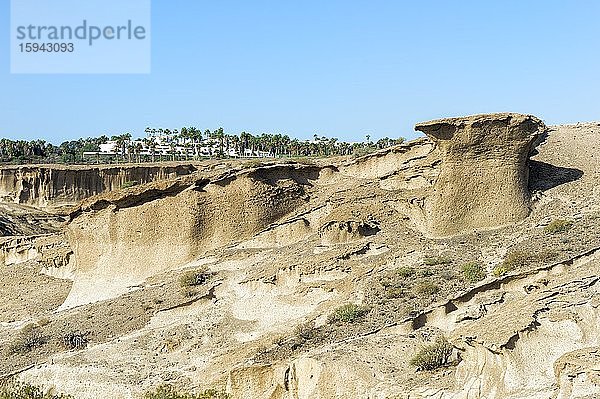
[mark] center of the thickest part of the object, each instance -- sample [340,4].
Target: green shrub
[546,255]
[169,392]
[386,281]
[473,271]
[512,261]
[31,337]
[437,260]
[19,390]
[129,183]
[433,356]
[348,313]
[427,288]
[405,272]
[558,226]
[189,292]
[193,278]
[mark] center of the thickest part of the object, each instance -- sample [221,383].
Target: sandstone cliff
[54,186]
[484,175]
[123,237]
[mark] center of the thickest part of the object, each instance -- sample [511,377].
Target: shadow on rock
[544,176]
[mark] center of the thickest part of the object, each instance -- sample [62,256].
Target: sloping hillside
[334,279]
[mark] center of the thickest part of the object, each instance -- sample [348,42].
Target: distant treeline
[40,151]
[278,145]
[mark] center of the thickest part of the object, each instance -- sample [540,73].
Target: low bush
[362,151]
[193,278]
[546,255]
[437,260]
[395,292]
[348,313]
[31,337]
[306,331]
[304,161]
[512,261]
[75,340]
[405,272]
[473,271]
[426,273]
[255,163]
[19,390]
[558,226]
[386,281]
[433,356]
[427,288]
[169,392]
[189,292]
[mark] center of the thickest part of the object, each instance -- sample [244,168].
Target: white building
[163,146]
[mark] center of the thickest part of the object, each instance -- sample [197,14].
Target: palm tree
[219,134]
[172,148]
[151,145]
[130,148]
[138,150]
[121,142]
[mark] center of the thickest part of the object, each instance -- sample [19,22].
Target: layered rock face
[51,251]
[540,341]
[121,238]
[48,186]
[484,173]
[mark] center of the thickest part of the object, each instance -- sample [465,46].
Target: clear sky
[340,68]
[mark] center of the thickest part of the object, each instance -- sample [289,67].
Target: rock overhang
[483,180]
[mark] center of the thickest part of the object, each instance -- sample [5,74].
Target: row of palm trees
[276,145]
[192,140]
[24,151]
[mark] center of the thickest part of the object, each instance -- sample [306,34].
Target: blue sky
[337,68]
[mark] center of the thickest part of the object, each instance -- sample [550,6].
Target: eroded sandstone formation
[540,340]
[51,251]
[50,186]
[123,237]
[484,173]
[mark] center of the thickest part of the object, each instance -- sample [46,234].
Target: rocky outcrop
[483,176]
[578,374]
[542,342]
[123,237]
[398,161]
[20,220]
[53,186]
[18,250]
[51,251]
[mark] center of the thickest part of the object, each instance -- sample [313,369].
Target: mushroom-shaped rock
[484,172]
